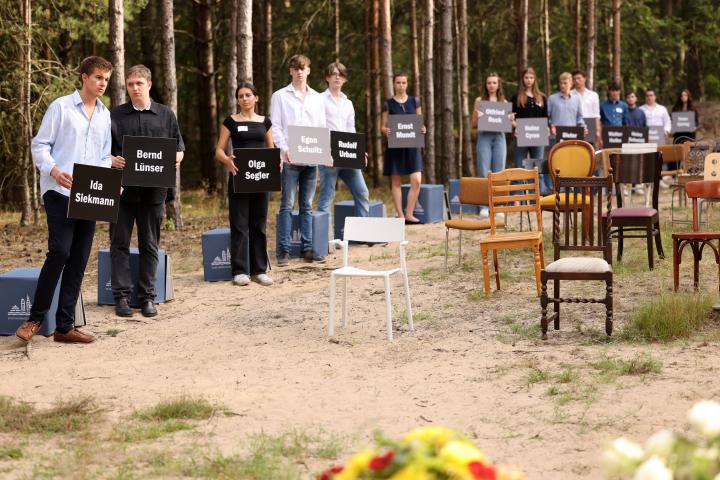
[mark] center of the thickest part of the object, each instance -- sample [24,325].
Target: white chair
[371,229]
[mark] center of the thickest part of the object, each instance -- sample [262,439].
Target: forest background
[198,50]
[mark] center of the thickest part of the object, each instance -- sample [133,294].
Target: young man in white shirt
[296,104]
[590,102]
[657,115]
[75,129]
[340,117]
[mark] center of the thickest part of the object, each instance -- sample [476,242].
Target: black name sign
[95,193]
[683,122]
[347,149]
[149,161]
[258,170]
[636,135]
[613,136]
[405,131]
[569,133]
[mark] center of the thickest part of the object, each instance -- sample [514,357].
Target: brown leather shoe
[27,330]
[73,336]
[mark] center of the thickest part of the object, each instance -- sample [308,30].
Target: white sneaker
[662,184]
[263,280]
[667,179]
[484,212]
[241,280]
[639,189]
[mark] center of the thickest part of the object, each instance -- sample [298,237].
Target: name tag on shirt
[242,128]
[618,109]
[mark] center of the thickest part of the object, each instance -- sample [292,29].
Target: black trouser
[69,245]
[148,219]
[248,217]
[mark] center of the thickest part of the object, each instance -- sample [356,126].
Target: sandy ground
[264,353]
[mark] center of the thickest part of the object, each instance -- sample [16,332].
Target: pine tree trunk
[174,212]
[591,42]
[449,164]
[206,95]
[386,50]
[428,102]
[376,93]
[578,33]
[245,41]
[464,87]
[151,46]
[25,163]
[521,25]
[545,29]
[416,85]
[268,55]
[337,30]
[231,82]
[616,44]
[116,39]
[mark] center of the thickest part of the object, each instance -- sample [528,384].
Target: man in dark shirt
[613,111]
[141,116]
[636,117]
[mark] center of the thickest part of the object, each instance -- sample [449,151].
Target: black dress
[401,161]
[247,211]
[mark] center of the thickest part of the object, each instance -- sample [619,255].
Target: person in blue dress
[402,161]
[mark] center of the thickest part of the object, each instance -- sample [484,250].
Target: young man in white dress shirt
[75,129]
[657,115]
[590,102]
[340,117]
[296,104]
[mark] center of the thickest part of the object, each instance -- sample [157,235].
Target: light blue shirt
[565,111]
[67,136]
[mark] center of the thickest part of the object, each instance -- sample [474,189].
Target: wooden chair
[705,189]
[503,196]
[677,153]
[573,194]
[637,168]
[473,191]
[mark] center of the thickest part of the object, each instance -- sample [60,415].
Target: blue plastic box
[430,205]
[216,255]
[164,290]
[454,194]
[18,290]
[347,209]
[320,233]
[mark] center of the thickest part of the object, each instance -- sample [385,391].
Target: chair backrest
[582,213]
[574,158]
[637,168]
[605,157]
[701,189]
[675,153]
[510,186]
[474,191]
[374,229]
[712,166]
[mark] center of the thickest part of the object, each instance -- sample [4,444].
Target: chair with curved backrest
[473,191]
[676,153]
[704,189]
[637,168]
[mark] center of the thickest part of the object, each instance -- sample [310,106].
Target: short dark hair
[579,72]
[630,92]
[299,61]
[247,85]
[90,64]
[649,89]
[399,73]
[336,66]
[613,87]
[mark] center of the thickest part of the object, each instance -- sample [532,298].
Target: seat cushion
[549,200]
[579,265]
[462,224]
[640,212]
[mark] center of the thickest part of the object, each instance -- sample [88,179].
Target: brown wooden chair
[703,189]
[678,154]
[637,168]
[503,196]
[573,194]
[473,191]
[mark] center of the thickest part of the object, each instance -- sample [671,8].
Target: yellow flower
[436,436]
[357,464]
[510,472]
[457,454]
[413,472]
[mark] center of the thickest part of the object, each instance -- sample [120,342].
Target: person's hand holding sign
[117,161]
[62,178]
[178,158]
[230,164]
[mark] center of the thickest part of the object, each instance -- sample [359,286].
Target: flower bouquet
[670,456]
[428,453]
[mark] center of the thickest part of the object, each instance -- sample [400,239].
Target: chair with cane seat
[378,230]
[473,191]
[579,266]
[503,196]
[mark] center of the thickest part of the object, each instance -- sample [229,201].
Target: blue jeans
[491,151]
[302,178]
[521,153]
[354,180]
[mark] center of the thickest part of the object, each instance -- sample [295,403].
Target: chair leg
[408,303]
[460,248]
[650,249]
[697,255]
[388,308]
[556,303]
[486,271]
[658,241]
[497,269]
[538,268]
[676,264]
[609,306]
[620,243]
[331,316]
[542,255]
[345,300]
[447,241]
[543,305]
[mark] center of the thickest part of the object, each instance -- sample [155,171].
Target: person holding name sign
[75,129]
[247,211]
[684,103]
[636,117]
[656,115]
[340,117]
[491,148]
[139,117]
[589,101]
[613,111]
[300,105]
[402,161]
[529,102]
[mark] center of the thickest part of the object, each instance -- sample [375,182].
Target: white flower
[660,444]
[622,457]
[653,469]
[705,418]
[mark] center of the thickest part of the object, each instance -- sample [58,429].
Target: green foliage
[641,364]
[183,408]
[66,416]
[669,317]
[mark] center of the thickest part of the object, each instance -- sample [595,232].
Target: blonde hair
[139,71]
[536,93]
[565,76]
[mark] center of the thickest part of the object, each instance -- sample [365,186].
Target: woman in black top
[684,103]
[247,211]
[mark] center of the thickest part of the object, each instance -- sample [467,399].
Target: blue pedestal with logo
[347,209]
[430,204]
[164,290]
[216,255]
[18,291]
[454,194]
[320,233]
